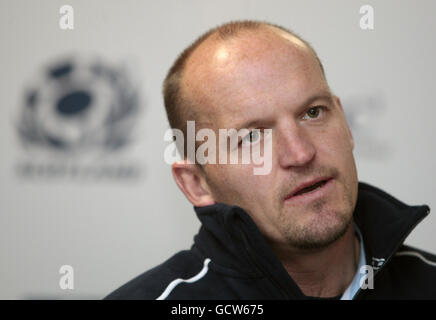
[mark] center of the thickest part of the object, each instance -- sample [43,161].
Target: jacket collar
[385,222]
[234,243]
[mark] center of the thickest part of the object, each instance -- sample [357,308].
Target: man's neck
[325,272]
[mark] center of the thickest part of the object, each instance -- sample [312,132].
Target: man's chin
[317,234]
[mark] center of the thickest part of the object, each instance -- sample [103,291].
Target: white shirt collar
[354,286]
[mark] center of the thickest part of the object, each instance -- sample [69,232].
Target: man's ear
[192,182]
[338,102]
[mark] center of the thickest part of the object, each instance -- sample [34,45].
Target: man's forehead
[218,74]
[215,54]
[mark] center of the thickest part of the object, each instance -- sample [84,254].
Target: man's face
[265,81]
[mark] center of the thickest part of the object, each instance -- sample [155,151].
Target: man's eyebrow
[252,124]
[248,125]
[324,95]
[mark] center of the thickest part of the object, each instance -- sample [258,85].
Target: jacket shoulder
[413,273]
[152,283]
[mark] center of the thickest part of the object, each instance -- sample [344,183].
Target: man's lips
[308,186]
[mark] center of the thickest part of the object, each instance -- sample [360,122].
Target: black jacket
[230,259]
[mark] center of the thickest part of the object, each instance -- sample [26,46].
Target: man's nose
[295,147]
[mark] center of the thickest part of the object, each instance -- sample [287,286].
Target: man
[307,229]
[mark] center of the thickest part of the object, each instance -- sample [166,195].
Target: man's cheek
[335,142]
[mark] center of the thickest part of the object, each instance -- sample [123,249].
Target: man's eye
[313,112]
[253,137]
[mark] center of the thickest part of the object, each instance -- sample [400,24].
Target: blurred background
[82,177]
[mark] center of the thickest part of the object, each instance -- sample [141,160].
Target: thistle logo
[77,110]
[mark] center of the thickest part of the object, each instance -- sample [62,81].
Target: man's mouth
[312,187]
[308,187]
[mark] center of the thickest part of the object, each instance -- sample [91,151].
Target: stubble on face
[325,226]
[325,220]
